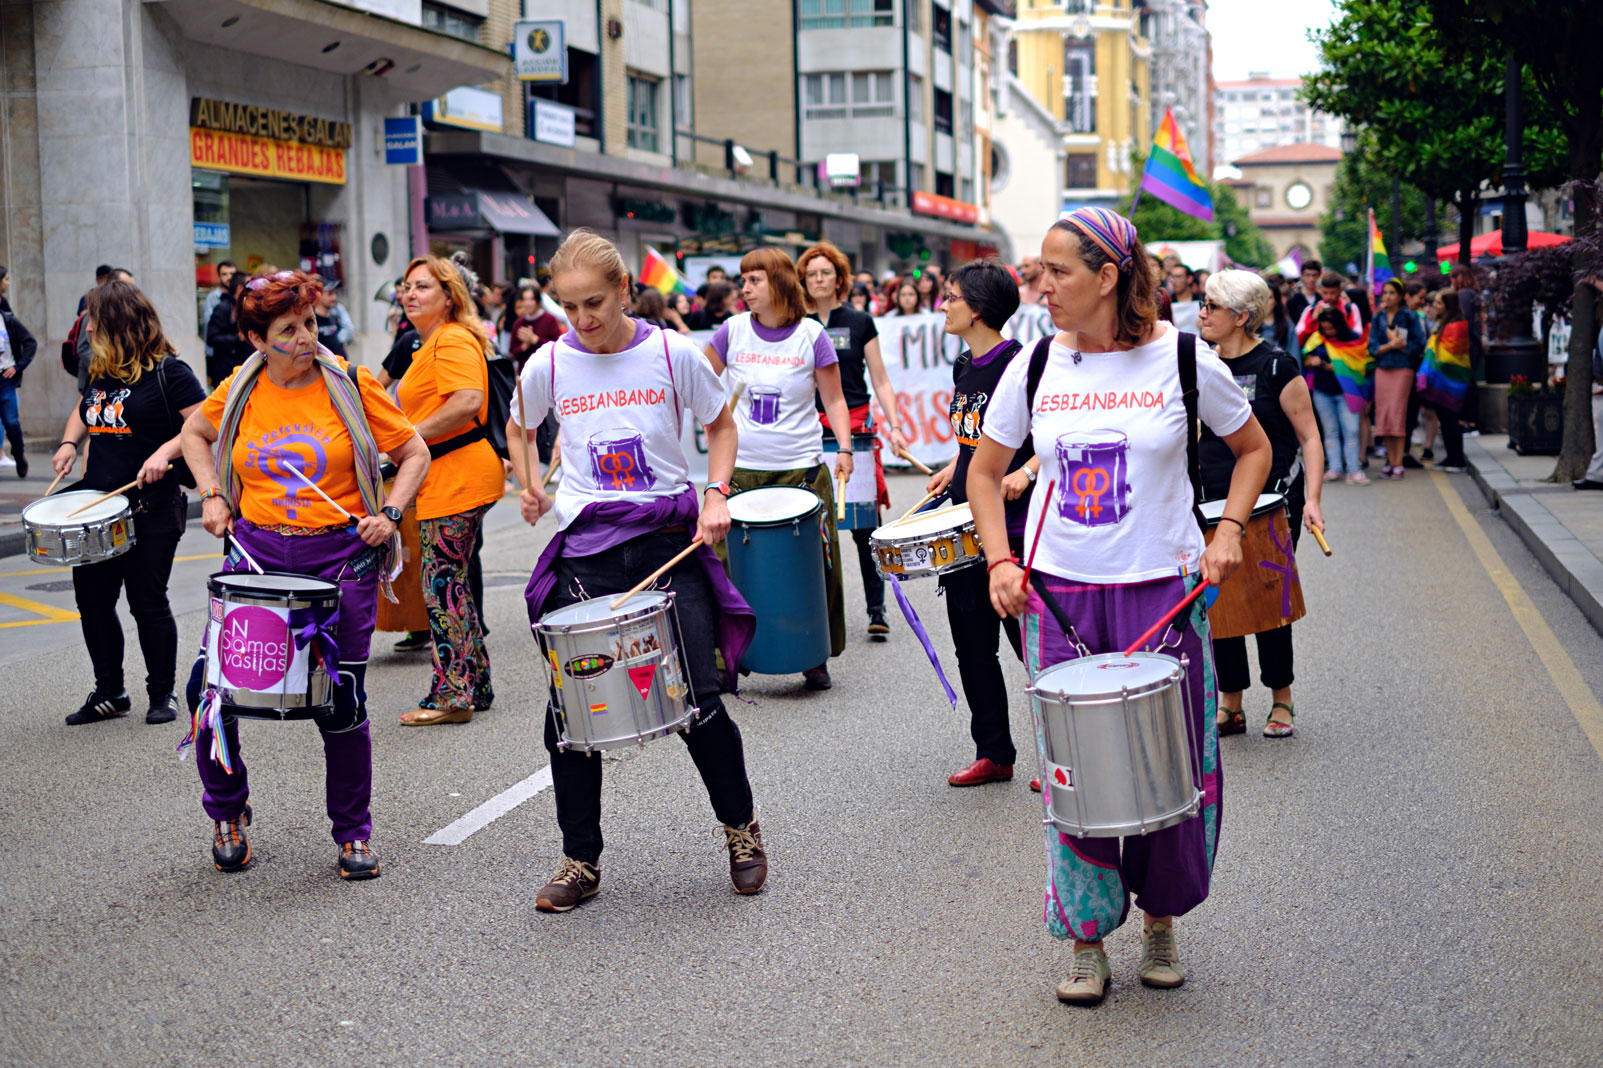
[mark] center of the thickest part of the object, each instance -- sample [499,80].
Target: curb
[1577,572]
[15,542]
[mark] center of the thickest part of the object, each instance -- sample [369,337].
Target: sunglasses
[261,281]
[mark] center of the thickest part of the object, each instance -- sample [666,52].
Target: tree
[1361,185]
[1157,221]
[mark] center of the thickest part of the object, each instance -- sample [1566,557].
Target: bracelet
[1008,559]
[74,444]
[214,492]
[1233,519]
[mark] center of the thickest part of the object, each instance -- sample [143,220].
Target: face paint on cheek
[286,348]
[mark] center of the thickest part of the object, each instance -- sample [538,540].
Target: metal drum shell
[893,544]
[78,541]
[255,704]
[778,567]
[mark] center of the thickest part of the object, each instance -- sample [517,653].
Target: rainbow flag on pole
[660,275]
[1444,374]
[1379,261]
[1171,176]
[1352,364]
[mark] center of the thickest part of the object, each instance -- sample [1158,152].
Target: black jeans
[143,570]
[1452,436]
[873,583]
[975,629]
[714,741]
[1275,658]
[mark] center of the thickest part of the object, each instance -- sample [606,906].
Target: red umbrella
[1491,244]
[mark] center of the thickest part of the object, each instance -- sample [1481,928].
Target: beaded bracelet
[1008,559]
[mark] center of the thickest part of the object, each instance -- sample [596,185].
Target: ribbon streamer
[923,637]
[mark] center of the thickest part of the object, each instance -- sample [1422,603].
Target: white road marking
[461,830]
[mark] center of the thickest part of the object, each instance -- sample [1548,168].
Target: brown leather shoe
[1035,784]
[574,881]
[982,771]
[748,863]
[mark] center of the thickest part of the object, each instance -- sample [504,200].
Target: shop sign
[472,109]
[213,150]
[540,51]
[454,211]
[273,123]
[553,123]
[944,207]
[211,235]
[403,141]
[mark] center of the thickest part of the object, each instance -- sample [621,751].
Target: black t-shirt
[328,333]
[129,421]
[972,390]
[850,331]
[399,361]
[706,320]
[1262,374]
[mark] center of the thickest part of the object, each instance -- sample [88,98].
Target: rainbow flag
[1444,374]
[1379,261]
[1171,176]
[1354,367]
[660,275]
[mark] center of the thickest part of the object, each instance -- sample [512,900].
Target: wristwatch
[392,513]
[722,487]
[1029,474]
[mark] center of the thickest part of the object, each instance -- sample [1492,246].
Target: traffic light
[1410,267]
[1447,268]
[924,254]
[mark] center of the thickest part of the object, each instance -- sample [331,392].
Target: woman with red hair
[293,411]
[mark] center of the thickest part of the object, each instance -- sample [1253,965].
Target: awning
[476,209]
[1491,244]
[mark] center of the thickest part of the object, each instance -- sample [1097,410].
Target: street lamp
[1349,141]
[1517,352]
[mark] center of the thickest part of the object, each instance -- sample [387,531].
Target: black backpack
[501,378]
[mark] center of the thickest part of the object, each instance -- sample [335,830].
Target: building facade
[1182,64]
[1262,113]
[1286,190]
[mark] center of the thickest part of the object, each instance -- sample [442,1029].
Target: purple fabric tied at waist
[606,524]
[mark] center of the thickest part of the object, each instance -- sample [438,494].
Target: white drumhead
[52,511]
[773,504]
[933,522]
[273,582]
[1105,675]
[599,609]
[1213,510]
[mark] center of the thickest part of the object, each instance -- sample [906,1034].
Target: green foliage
[1157,221]
[1344,227]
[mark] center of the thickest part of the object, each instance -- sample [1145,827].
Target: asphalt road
[1410,880]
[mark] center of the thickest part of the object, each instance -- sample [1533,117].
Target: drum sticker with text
[1093,486]
[1063,776]
[642,675]
[589,666]
[278,454]
[255,651]
[618,461]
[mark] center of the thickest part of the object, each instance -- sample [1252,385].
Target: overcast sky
[1251,35]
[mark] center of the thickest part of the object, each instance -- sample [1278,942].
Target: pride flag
[660,275]
[1379,261]
[1351,362]
[1171,176]
[1444,374]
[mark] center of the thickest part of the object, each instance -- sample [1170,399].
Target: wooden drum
[1265,592]
[410,614]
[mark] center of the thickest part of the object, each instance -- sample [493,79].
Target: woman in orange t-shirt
[295,413]
[446,396]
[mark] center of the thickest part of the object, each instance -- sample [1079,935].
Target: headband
[1111,232]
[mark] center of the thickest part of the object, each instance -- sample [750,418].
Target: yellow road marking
[1561,669]
[58,570]
[51,613]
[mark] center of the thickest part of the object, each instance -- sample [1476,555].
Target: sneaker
[1332,475]
[878,629]
[1451,469]
[1428,454]
[1160,957]
[1358,478]
[748,863]
[358,861]
[414,641]
[1395,473]
[982,771]
[817,678]
[1469,432]
[574,881]
[1088,979]
[101,706]
[1410,462]
[22,467]
[230,847]
[163,709]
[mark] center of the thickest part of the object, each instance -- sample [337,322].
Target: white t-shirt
[621,414]
[1110,431]
[779,428]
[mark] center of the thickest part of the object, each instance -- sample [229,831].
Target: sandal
[1232,722]
[428,717]
[1274,728]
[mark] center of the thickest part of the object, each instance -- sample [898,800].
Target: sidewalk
[1562,527]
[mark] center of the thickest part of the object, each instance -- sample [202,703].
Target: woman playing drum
[980,298]
[138,395]
[1119,547]
[620,389]
[1235,305]
[292,413]
[783,358]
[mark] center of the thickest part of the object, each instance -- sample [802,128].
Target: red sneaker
[982,771]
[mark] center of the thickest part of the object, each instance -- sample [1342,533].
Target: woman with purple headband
[1119,545]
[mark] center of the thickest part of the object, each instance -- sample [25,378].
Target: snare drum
[1121,756]
[94,534]
[776,561]
[927,543]
[1265,592]
[618,677]
[262,655]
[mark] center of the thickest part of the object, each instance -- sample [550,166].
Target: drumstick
[523,423]
[840,497]
[319,491]
[550,472]
[248,558]
[928,497]
[1160,624]
[904,454]
[53,485]
[108,496]
[1320,538]
[1035,542]
[657,574]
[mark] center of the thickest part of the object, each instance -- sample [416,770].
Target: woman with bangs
[294,410]
[445,395]
[138,394]
[777,348]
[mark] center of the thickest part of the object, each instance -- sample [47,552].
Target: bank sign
[540,51]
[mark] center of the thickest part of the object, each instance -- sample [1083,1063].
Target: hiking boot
[1160,957]
[162,709]
[748,863]
[878,629]
[101,706]
[574,881]
[230,847]
[357,861]
[1088,979]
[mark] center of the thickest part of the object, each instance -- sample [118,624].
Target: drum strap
[1038,580]
[1188,397]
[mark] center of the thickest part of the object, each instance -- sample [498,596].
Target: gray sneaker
[1160,957]
[1088,979]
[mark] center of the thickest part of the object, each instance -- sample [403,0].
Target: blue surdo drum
[776,560]
[862,489]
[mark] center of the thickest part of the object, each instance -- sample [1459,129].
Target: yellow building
[1089,63]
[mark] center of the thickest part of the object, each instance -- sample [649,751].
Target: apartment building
[1182,65]
[1262,113]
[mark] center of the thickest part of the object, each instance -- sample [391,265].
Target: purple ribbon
[316,632]
[1288,570]
[923,637]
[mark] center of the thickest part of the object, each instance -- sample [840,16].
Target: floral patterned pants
[461,662]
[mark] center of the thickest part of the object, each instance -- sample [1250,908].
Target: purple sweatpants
[347,754]
[1090,880]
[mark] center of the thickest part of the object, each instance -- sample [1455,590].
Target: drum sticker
[1064,777]
[556,669]
[589,666]
[764,405]
[279,455]
[119,533]
[637,641]
[599,710]
[618,461]
[217,609]
[642,675]
[1093,489]
[255,651]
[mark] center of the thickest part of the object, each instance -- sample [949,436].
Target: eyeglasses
[822,275]
[1213,309]
[953,298]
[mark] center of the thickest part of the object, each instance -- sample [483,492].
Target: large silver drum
[618,677]
[94,534]
[1121,756]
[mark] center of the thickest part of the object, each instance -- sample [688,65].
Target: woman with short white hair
[1234,306]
